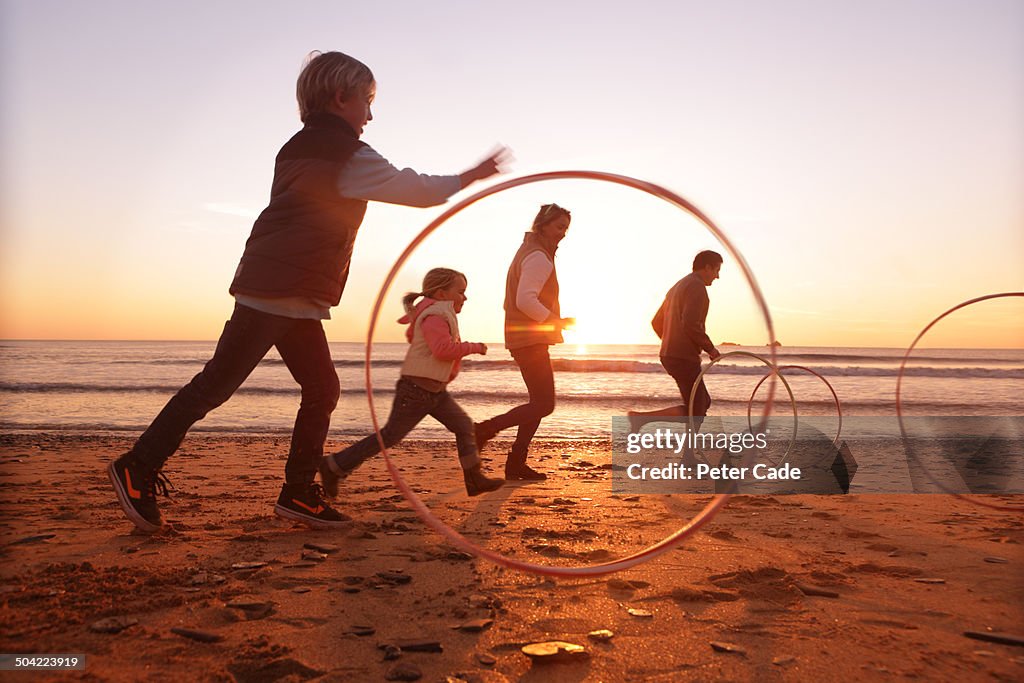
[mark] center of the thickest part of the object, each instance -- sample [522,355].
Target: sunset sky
[867,158]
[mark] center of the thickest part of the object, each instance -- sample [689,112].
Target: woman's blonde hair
[435,279]
[325,74]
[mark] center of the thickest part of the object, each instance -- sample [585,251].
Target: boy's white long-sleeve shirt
[371,177]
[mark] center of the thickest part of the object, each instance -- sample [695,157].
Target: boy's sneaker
[330,474]
[304,503]
[136,486]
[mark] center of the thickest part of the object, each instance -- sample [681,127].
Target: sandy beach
[793,588]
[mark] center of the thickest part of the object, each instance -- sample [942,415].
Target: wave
[170,389]
[603,365]
[615,360]
[501,396]
[574,366]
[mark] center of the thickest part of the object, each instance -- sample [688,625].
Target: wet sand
[865,587]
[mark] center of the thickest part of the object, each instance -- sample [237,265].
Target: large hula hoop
[835,397]
[454,537]
[899,403]
[774,372]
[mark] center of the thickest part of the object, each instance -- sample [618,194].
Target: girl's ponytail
[409,301]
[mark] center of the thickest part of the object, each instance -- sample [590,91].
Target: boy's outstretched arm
[371,177]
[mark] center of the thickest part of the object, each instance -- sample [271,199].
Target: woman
[533,322]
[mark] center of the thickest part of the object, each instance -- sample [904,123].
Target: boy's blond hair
[327,73]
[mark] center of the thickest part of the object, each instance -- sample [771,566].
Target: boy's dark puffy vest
[301,244]
[520,329]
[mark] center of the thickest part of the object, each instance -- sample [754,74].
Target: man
[680,325]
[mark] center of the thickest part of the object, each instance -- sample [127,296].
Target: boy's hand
[486,168]
[483,349]
[567,323]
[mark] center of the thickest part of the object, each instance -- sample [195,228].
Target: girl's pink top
[439,337]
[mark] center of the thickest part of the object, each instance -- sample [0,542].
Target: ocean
[120,386]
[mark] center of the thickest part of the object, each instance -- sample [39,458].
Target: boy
[292,271]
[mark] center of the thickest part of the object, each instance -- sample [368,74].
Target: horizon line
[564,344]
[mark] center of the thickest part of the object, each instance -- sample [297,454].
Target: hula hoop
[839,408]
[899,403]
[774,372]
[454,537]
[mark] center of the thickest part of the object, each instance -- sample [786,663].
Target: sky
[866,159]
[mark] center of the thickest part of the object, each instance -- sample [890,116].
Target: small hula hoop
[774,372]
[899,403]
[454,537]
[839,408]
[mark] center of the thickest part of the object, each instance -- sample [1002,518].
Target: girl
[431,362]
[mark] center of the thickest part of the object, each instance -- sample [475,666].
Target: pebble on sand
[475,625]
[112,624]
[325,548]
[554,651]
[417,645]
[361,630]
[602,636]
[395,577]
[992,637]
[731,648]
[201,636]
[33,539]
[248,565]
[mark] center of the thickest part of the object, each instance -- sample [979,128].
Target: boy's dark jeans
[246,339]
[413,403]
[535,365]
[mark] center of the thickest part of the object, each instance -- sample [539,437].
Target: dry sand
[908,575]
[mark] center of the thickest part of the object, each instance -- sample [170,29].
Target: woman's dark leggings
[535,365]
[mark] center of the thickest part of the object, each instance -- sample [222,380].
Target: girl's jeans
[413,403]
